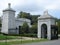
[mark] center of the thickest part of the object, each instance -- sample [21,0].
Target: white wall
[11,20]
[5,22]
[20,21]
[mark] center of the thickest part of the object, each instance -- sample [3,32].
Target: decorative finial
[9,5]
[46,12]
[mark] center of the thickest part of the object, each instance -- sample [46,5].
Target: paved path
[53,42]
[18,39]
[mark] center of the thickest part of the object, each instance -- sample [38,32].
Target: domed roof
[45,15]
[9,8]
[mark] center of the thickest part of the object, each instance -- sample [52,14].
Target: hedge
[24,35]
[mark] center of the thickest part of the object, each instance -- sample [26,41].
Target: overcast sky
[33,6]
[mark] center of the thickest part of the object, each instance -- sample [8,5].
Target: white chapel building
[10,24]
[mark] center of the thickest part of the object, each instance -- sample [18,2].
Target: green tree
[34,19]
[33,29]
[0,22]
[58,24]
[58,27]
[24,15]
[25,28]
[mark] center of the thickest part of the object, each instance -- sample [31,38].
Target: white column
[49,32]
[39,30]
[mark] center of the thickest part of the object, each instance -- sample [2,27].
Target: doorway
[43,31]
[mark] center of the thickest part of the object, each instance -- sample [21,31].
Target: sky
[35,7]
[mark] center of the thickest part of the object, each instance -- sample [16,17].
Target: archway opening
[43,31]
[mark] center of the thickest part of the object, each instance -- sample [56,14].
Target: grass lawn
[3,37]
[22,42]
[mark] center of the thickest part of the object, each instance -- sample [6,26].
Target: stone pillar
[39,30]
[49,31]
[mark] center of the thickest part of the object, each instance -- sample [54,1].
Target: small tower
[8,21]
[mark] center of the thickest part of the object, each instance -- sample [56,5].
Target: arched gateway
[47,27]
